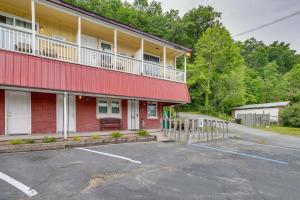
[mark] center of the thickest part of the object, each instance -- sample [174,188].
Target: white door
[18,112]
[71,110]
[72,114]
[133,115]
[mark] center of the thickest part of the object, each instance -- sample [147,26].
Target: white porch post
[79,39]
[115,47]
[65,116]
[170,121]
[142,55]
[185,68]
[33,25]
[165,61]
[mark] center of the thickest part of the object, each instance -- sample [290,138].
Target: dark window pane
[6,20]
[23,24]
[152,110]
[150,58]
[102,107]
[105,46]
[115,107]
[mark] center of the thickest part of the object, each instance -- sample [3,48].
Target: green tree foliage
[292,81]
[291,115]
[218,70]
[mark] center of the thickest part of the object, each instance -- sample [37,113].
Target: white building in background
[266,108]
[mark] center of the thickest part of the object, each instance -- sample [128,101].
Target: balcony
[86,42]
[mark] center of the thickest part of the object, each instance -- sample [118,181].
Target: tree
[291,115]
[284,57]
[219,70]
[292,80]
[197,21]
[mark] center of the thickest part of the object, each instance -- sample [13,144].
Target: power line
[269,23]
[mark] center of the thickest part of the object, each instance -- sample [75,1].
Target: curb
[71,144]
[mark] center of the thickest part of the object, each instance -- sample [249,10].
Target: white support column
[165,61]
[142,55]
[115,47]
[170,121]
[65,131]
[185,68]
[33,25]
[79,39]
[175,62]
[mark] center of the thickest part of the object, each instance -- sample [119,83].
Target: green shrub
[76,138]
[16,142]
[49,139]
[116,135]
[291,115]
[143,133]
[96,137]
[30,141]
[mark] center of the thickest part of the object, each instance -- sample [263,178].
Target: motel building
[64,70]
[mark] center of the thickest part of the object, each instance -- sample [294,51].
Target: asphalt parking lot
[229,169]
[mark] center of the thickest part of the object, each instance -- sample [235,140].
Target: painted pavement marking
[270,145]
[111,155]
[27,190]
[241,154]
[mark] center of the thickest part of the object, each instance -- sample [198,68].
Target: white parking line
[241,154]
[270,145]
[111,155]
[27,190]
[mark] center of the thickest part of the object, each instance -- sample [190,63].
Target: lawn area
[284,130]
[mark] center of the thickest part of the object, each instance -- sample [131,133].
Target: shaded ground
[168,171]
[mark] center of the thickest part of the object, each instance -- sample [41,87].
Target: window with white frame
[151,58]
[152,110]
[108,108]
[102,107]
[6,20]
[16,22]
[105,46]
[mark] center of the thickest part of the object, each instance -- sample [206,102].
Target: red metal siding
[2,112]
[86,115]
[30,71]
[43,113]
[151,123]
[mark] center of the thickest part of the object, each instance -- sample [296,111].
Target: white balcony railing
[15,40]
[153,69]
[56,49]
[97,58]
[21,41]
[129,65]
[174,74]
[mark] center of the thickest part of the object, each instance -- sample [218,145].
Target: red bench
[107,124]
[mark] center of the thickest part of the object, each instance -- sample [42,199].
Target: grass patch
[284,130]
[49,139]
[76,138]
[16,142]
[30,141]
[96,137]
[116,135]
[143,133]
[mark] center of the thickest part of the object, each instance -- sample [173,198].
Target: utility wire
[269,23]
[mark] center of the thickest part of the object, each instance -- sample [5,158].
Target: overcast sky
[241,15]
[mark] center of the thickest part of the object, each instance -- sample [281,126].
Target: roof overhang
[116,24]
